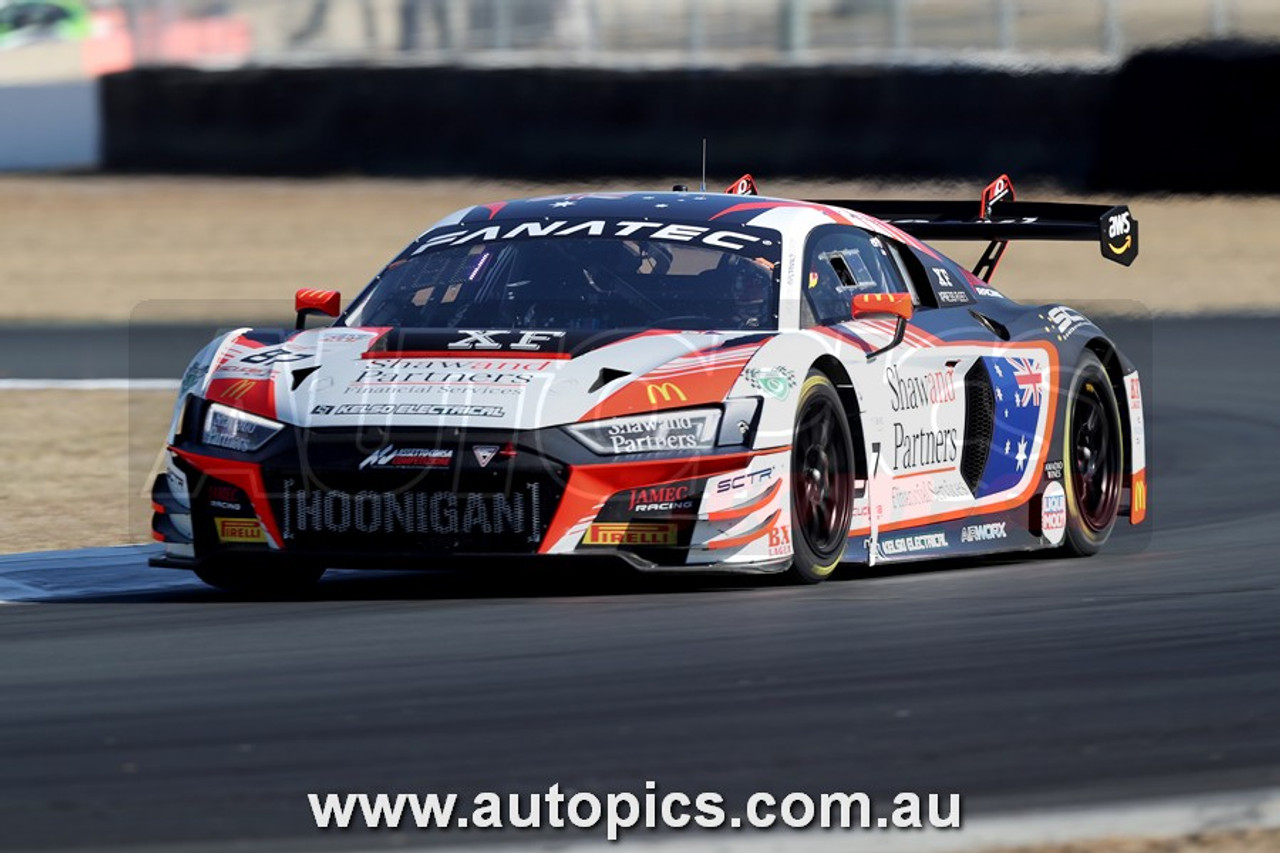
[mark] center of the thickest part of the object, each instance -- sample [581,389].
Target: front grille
[980,406]
[417,493]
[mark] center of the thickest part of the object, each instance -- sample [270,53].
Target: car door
[967,412]
[913,395]
[907,394]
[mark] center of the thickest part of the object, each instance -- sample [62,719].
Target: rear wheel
[1094,454]
[259,577]
[821,481]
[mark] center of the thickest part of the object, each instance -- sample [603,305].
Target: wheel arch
[1114,366]
[831,367]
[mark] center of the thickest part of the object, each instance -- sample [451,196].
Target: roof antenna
[703,186]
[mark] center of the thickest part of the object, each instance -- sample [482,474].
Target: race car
[685,381]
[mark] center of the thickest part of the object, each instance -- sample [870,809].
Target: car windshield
[701,278]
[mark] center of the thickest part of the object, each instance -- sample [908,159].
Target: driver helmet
[753,291]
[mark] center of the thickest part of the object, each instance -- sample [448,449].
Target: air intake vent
[979,404]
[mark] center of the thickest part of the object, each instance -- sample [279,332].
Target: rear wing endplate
[998,221]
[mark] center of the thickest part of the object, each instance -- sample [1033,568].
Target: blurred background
[923,88]
[67,38]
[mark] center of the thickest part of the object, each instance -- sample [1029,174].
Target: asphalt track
[137,708]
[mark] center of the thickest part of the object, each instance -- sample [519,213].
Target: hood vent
[300,375]
[607,375]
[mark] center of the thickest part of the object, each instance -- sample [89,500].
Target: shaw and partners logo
[665,390]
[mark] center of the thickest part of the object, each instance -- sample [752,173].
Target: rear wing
[999,219]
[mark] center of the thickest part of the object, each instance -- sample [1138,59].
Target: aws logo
[1120,235]
[668,391]
[1119,226]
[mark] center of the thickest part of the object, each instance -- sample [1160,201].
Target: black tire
[1093,453]
[821,481]
[259,578]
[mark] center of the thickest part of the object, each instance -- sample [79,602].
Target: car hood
[480,379]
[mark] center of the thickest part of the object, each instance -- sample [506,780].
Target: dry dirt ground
[74,466]
[99,248]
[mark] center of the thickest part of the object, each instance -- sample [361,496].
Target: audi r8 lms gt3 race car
[687,381]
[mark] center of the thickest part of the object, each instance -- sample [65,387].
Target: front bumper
[390,498]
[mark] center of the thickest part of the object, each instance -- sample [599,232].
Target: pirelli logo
[667,391]
[240,530]
[630,534]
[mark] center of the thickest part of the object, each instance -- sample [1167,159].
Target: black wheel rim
[1095,453]
[820,471]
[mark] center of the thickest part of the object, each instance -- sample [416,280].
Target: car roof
[723,209]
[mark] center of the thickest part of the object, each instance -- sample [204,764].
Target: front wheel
[1094,454]
[259,578]
[821,481]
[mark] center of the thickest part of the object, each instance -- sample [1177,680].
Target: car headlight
[237,430]
[660,432]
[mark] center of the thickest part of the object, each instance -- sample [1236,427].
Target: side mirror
[868,305]
[310,301]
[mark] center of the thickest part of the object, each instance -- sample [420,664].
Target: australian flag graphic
[1020,386]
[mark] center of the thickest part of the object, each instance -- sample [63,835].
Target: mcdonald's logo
[238,389]
[666,391]
[1138,503]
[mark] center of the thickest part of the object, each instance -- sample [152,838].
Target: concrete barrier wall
[49,126]
[1178,119]
[1194,119]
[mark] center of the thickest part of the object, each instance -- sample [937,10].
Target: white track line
[15,591]
[49,576]
[89,384]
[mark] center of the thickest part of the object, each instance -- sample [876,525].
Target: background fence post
[1006,25]
[697,31]
[1219,17]
[900,23]
[795,28]
[1112,28]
